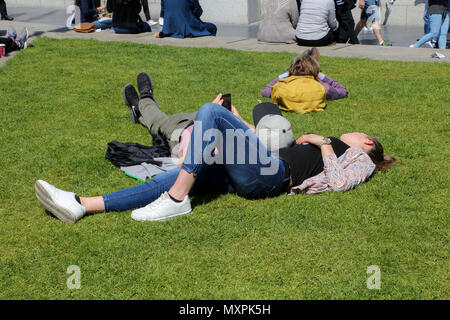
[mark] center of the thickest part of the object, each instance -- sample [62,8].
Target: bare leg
[377,32]
[93,204]
[361,24]
[182,185]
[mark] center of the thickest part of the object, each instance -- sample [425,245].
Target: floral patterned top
[339,174]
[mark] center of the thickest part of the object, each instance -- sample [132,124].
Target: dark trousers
[10,44]
[346,30]
[325,41]
[161,14]
[140,27]
[3,12]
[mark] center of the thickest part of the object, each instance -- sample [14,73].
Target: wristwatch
[325,141]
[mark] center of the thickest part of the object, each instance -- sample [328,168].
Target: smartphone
[227,101]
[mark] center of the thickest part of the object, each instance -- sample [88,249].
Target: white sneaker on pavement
[152,22]
[162,208]
[161,21]
[61,204]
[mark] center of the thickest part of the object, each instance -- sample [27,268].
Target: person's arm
[236,113]
[316,140]
[218,100]
[332,21]
[334,89]
[338,177]
[267,90]
[196,9]
[146,10]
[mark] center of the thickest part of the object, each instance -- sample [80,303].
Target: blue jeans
[435,27]
[426,19]
[140,27]
[251,177]
[102,23]
[444,31]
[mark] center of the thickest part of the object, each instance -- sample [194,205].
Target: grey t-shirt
[317,17]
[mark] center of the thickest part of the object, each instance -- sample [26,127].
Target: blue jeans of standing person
[426,19]
[442,42]
[238,173]
[435,29]
[140,28]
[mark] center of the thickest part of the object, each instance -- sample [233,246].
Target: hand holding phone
[227,101]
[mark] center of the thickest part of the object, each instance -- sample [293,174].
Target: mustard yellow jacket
[301,94]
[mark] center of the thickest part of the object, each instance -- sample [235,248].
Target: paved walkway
[51,23]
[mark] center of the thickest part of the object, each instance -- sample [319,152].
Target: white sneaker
[161,21]
[162,208]
[152,22]
[411,46]
[61,204]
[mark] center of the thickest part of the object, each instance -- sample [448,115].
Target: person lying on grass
[225,155]
[11,43]
[303,87]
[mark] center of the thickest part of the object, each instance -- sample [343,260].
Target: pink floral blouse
[339,174]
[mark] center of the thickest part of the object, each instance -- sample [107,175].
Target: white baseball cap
[272,128]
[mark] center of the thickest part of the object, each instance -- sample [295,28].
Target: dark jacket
[344,5]
[438,6]
[125,13]
[88,10]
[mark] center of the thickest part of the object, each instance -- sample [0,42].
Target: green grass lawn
[61,103]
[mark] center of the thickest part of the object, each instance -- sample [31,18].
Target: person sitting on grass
[216,162]
[182,20]
[278,22]
[126,18]
[333,89]
[371,12]
[12,43]
[303,88]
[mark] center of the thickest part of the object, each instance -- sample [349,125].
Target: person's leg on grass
[261,178]
[156,121]
[245,158]
[69,207]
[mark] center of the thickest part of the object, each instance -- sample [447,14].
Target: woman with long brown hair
[303,87]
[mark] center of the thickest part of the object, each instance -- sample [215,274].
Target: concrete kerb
[244,44]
